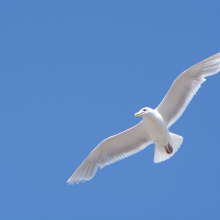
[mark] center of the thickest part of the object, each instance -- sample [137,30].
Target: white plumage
[185,87]
[154,126]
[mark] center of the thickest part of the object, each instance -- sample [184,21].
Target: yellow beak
[138,114]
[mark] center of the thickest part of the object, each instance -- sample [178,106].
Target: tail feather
[160,153]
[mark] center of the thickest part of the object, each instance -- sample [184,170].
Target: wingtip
[70,181]
[73,181]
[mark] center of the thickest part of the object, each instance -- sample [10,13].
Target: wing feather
[110,150]
[185,87]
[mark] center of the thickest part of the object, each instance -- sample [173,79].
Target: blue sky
[73,73]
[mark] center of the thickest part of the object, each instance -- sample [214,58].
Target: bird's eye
[144,110]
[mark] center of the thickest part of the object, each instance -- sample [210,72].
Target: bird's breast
[156,128]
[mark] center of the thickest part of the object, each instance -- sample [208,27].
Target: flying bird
[154,128]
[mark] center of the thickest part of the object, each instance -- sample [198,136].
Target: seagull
[154,128]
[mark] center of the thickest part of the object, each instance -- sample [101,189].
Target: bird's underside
[168,149]
[137,138]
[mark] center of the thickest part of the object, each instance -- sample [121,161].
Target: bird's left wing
[185,87]
[110,150]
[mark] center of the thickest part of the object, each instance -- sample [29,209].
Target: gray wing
[185,87]
[110,150]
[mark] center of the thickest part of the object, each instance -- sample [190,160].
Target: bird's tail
[160,153]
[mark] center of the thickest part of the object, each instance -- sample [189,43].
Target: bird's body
[157,130]
[154,128]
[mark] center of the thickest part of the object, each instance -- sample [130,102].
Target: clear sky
[73,73]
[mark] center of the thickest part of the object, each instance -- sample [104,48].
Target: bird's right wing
[110,150]
[185,87]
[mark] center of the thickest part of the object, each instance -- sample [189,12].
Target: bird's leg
[169,149]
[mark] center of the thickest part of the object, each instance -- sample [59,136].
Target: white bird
[154,126]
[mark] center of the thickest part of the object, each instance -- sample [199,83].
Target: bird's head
[143,112]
